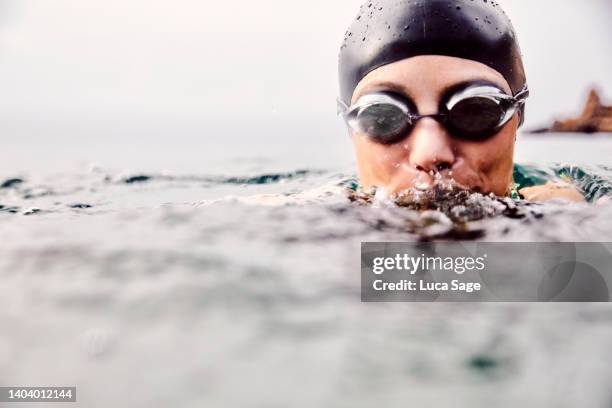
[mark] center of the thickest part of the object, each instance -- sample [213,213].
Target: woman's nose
[431,147]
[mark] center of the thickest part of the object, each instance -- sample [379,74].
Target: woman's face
[427,149]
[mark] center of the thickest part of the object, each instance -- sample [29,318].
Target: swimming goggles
[473,113]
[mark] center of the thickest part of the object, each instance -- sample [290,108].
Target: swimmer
[435,89]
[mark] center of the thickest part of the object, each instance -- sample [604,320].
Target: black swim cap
[387,31]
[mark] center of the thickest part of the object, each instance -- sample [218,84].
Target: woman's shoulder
[553,190]
[536,184]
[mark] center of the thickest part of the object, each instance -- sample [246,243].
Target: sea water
[239,287]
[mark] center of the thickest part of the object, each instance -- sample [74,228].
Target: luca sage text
[408,285]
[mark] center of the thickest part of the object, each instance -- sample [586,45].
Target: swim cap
[387,31]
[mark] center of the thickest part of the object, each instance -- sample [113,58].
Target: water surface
[240,288]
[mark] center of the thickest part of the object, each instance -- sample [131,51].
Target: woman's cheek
[467,175]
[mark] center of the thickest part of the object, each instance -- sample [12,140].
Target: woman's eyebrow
[386,86]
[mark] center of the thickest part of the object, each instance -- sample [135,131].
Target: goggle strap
[522,95]
[342,107]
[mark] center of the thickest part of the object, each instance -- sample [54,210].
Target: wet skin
[427,149]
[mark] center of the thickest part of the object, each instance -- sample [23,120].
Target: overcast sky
[189,61]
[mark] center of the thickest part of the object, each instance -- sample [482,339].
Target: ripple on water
[248,273]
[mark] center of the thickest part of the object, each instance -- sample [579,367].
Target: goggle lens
[475,118]
[384,122]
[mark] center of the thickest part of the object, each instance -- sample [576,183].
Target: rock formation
[594,118]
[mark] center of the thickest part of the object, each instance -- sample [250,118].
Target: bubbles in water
[382,198]
[421,183]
